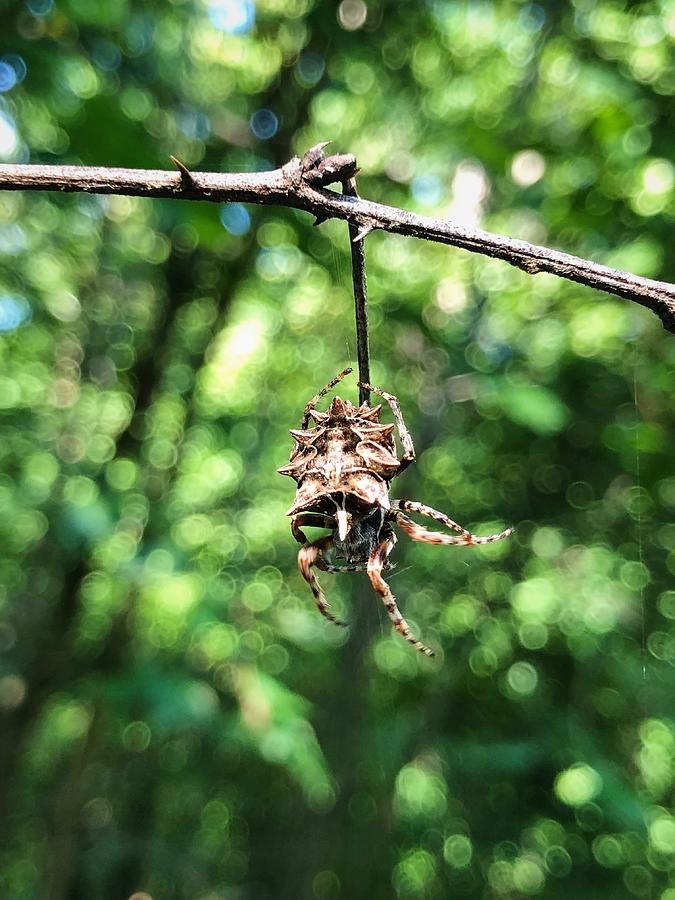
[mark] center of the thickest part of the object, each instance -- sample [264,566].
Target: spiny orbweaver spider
[343,466]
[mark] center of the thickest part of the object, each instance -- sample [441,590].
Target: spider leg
[418,533]
[414,506]
[322,393]
[311,555]
[312,520]
[403,433]
[376,563]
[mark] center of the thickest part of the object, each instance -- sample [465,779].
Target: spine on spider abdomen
[355,489]
[343,444]
[348,455]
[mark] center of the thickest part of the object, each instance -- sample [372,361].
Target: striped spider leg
[309,409]
[321,520]
[376,563]
[311,520]
[418,533]
[310,556]
[403,433]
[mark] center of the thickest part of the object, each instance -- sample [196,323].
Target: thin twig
[360,296]
[290,186]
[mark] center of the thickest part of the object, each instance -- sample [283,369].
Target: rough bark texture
[301,184]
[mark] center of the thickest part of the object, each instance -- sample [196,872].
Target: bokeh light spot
[14,312]
[635,575]
[527,167]
[607,850]
[662,834]
[309,68]
[121,474]
[136,737]
[639,881]
[13,691]
[7,77]
[235,218]
[414,875]
[264,124]
[578,784]
[522,678]
[352,14]
[18,63]
[658,176]
[257,596]
[106,55]
[470,190]
[533,635]
[63,306]
[527,876]
[558,861]
[9,139]
[420,793]
[547,543]
[458,851]
[40,7]
[232,16]
[326,885]
[427,189]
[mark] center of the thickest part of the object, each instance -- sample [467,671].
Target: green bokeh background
[176,717]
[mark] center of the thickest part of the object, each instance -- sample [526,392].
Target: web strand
[638,484]
[356,241]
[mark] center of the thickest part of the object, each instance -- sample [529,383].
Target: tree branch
[302,186]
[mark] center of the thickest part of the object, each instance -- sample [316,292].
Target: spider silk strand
[356,242]
[643,648]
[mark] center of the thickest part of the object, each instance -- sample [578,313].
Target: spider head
[362,535]
[356,525]
[342,411]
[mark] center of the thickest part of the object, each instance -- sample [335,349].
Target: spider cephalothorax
[343,466]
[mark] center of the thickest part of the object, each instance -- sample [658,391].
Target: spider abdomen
[347,453]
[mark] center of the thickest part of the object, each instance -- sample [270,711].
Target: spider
[343,466]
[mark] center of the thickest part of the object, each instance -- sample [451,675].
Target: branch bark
[303,186]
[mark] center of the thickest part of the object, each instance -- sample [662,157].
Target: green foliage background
[177,718]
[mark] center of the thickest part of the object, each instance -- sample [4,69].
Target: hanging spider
[343,466]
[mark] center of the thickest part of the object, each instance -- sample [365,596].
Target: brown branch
[295,186]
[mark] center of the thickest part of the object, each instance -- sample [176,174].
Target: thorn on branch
[366,229]
[186,178]
[313,156]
